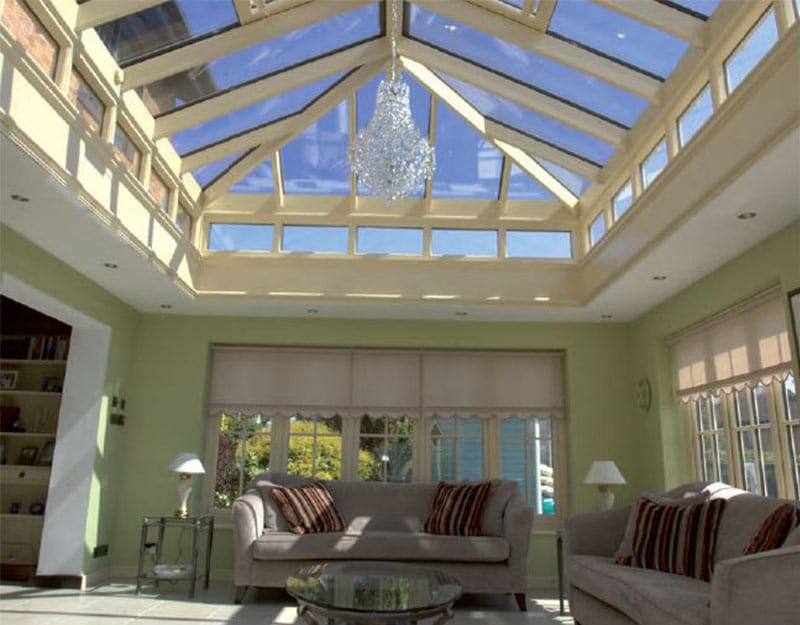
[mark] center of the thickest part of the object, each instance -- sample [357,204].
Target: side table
[178,572]
[559,535]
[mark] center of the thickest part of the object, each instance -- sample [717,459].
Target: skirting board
[76,582]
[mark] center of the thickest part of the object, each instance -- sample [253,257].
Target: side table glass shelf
[158,570]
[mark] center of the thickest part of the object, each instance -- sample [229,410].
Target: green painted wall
[775,261]
[42,271]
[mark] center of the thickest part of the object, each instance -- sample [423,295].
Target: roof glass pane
[521,186]
[259,180]
[467,165]
[618,36]
[534,124]
[622,201]
[324,239]
[538,244]
[695,116]
[253,116]
[445,242]
[206,174]
[559,80]
[264,58]
[315,162]
[654,164]
[701,7]
[574,182]
[597,230]
[165,25]
[242,237]
[757,43]
[420,112]
[389,241]
[514,3]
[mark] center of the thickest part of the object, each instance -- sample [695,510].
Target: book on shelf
[38,347]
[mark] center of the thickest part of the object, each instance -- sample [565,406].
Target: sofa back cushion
[457,509]
[375,506]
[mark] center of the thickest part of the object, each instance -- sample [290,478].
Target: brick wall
[159,191]
[26,29]
[84,98]
[126,151]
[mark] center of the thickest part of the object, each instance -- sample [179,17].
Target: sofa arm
[757,589]
[517,523]
[596,533]
[248,524]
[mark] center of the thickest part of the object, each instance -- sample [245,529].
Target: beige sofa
[759,589]
[383,522]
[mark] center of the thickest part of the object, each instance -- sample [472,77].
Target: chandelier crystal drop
[390,156]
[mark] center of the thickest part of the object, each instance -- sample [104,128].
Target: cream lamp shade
[604,473]
[185,464]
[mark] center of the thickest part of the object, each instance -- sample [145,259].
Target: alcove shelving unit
[34,349]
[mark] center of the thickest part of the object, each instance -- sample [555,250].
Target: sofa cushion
[677,539]
[308,509]
[493,510]
[773,530]
[646,596]
[457,509]
[264,483]
[378,545]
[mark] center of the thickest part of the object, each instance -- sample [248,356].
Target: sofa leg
[241,591]
[522,602]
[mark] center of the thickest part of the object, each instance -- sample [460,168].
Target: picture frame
[8,380]
[27,455]
[51,384]
[46,455]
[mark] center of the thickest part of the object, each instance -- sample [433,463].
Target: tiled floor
[117,604]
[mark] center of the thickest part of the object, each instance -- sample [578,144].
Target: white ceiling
[56,221]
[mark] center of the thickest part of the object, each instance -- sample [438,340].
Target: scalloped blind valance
[744,346]
[352,383]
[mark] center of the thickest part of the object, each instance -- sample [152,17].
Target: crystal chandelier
[390,156]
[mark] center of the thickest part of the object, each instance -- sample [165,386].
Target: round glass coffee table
[373,593]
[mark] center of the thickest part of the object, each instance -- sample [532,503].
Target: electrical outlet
[117,419]
[100,551]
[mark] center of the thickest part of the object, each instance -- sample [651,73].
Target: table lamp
[604,473]
[186,465]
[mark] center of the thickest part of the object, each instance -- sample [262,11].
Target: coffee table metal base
[309,612]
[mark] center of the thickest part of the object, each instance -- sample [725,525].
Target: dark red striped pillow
[677,539]
[457,509]
[308,509]
[773,530]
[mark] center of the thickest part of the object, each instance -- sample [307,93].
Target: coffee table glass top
[387,587]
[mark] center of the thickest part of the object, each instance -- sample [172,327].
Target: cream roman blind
[742,347]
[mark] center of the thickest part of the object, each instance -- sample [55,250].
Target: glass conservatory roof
[524,102]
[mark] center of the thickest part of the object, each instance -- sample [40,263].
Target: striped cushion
[676,539]
[774,529]
[308,509]
[457,509]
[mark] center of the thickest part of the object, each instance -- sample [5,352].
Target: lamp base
[605,499]
[181,514]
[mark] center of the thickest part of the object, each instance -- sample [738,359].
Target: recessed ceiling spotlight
[747,215]
[312,311]
[606,316]
[461,313]
[110,265]
[20,198]
[621,35]
[166,306]
[541,298]
[659,278]
[451,28]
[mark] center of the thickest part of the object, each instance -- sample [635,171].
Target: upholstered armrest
[517,522]
[596,533]
[248,524]
[757,589]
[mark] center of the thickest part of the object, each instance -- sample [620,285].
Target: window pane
[574,182]
[793,432]
[526,450]
[456,449]
[722,455]
[754,47]
[528,67]
[324,239]
[597,230]
[463,242]
[90,107]
[206,174]
[538,244]
[315,162]
[618,36]
[183,220]
[259,180]
[521,186]
[750,468]
[243,451]
[159,191]
[622,201]
[695,116]
[29,32]
[761,403]
[266,57]
[470,459]
[701,7]
[126,151]
[654,164]
[241,237]
[385,449]
[768,450]
[467,165]
[744,413]
[443,459]
[315,447]
[164,26]
[389,240]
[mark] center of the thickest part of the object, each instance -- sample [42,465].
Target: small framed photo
[52,384]
[27,455]
[8,379]
[46,455]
